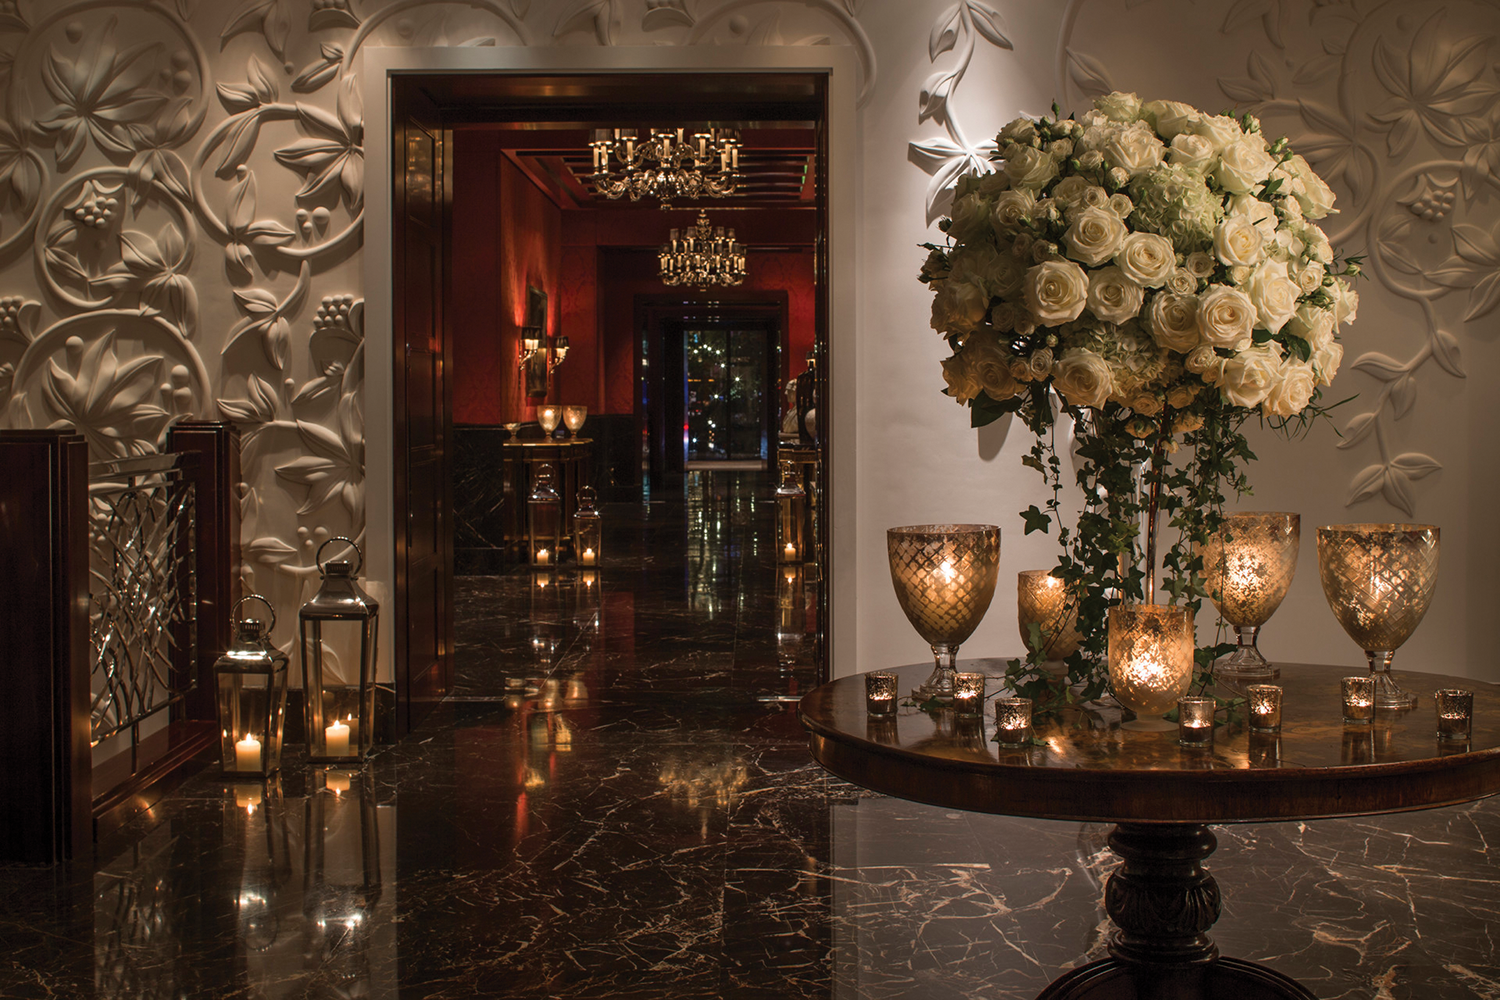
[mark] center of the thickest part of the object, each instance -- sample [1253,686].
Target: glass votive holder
[1265,707]
[1359,699]
[1455,713]
[968,694]
[880,692]
[1195,721]
[1013,722]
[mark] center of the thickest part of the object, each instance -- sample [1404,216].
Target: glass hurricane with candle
[791,516]
[1045,601]
[945,576]
[588,530]
[1150,660]
[1379,580]
[548,417]
[1248,567]
[250,679]
[573,418]
[338,668]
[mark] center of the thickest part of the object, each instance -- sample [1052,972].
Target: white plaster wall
[1386,87]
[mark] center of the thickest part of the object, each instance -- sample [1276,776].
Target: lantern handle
[254,597]
[318,556]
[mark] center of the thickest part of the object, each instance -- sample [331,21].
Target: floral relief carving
[138,136]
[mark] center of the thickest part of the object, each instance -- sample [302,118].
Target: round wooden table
[1163,797]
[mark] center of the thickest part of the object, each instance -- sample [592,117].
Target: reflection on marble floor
[614,805]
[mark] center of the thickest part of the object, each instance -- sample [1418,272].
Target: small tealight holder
[1195,721]
[880,692]
[1265,707]
[1359,699]
[968,694]
[1013,722]
[1455,713]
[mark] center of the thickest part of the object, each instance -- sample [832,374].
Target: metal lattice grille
[142,590]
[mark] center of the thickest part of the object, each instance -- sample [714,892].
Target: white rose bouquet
[1159,273]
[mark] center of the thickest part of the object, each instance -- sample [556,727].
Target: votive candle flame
[1359,699]
[1195,721]
[1013,721]
[968,693]
[880,692]
[1265,707]
[1455,713]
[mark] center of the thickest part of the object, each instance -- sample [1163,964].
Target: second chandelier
[703,256]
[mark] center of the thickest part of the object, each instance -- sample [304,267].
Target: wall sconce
[540,354]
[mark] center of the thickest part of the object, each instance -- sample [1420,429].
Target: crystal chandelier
[703,256]
[671,164]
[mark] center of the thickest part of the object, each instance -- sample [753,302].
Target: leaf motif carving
[1415,465]
[1366,484]
[269,17]
[1088,74]
[1380,366]
[270,550]
[1357,430]
[1403,395]
[1446,353]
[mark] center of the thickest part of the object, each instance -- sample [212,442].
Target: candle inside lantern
[1359,699]
[543,557]
[1195,721]
[247,754]
[1455,713]
[790,551]
[880,692]
[1013,721]
[336,739]
[1265,707]
[968,693]
[587,558]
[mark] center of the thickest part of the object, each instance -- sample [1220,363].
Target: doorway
[751,91]
[726,423]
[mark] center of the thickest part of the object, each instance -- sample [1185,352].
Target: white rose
[1313,324]
[1219,130]
[1181,282]
[1119,106]
[1029,168]
[1244,165]
[1274,294]
[1119,176]
[963,384]
[1226,317]
[1082,378]
[1021,131]
[1147,259]
[1174,322]
[970,219]
[1237,242]
[1291,391]
[1203,360]
[1171,117]
[1002,274]
[991,366]
[1056,291]
[1069,191]
[1193,151]
[1095,236]
[1003,317]
[1249,376]
[959,306]
[991,183]
[1315,197]
[1200,264]
[1011,209]
[1041,363]
[1260,213]
[1345,301]
[1060,149]
[1121,205]
[1325,361]
[1135,149]
[1113,297]
[1309,277]
[1090,161]
[1318,247]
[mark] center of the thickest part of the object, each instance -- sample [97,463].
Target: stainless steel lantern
[587,530]
[338,680]
[251,680]
[791,506]
[543,521]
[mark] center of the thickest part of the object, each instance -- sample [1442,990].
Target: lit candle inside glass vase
[968,693]
[1045,601]
[1248,567]
[1013,721]
[1150,660]
[1265,707]
[1455,713]
[944,576]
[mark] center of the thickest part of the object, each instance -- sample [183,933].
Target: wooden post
[46,780]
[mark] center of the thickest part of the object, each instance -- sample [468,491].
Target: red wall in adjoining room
[626,273]
[578,379]
[507,235]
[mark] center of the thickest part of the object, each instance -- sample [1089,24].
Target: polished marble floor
[618,802]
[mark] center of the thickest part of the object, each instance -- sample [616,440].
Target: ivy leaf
[1036,520]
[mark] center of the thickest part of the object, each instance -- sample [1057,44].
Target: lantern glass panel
[543,520]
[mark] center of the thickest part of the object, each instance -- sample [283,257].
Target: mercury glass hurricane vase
[573,418]
[1379,580]
[1046,602]
[945,577]
[1150,660]
[1249,567]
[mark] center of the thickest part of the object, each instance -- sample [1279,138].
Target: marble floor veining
[617,801]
